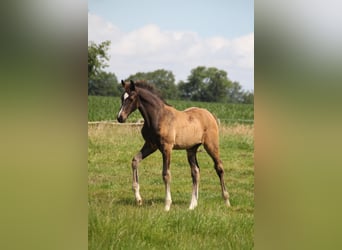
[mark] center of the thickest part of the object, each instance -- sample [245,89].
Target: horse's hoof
[228,203]
[139,202]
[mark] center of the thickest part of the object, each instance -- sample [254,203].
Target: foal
[166,128]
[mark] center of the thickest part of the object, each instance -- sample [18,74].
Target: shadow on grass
[243,210]
[157,201]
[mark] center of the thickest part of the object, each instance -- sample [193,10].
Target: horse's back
[192,126]
[203,116]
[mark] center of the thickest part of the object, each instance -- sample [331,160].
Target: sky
[176,35]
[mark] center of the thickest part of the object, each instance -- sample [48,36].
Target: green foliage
[100,82]
[248,97]
[212,85]
[106,108]
[162,79]
[104,84]
[225,112]
[116,222]
[234,93]
[97,55]
[203,84]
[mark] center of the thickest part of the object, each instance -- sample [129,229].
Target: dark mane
[151,88]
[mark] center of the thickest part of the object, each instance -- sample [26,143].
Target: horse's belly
[185,141]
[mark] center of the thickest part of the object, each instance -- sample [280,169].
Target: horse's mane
[151,88]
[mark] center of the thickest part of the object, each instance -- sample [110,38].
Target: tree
[97,55]
[162,79]
[184,90]
[235,93]
[205,84]
[195,86]
[212,85]
[105,84]
[217,83]
[248,97]
[99,81]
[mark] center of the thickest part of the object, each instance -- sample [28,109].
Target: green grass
[116,222]
[101,108]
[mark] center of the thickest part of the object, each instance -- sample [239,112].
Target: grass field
[101,108]
[116,222]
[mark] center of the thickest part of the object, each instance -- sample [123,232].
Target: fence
[140,122]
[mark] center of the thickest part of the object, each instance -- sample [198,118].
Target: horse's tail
[218,122]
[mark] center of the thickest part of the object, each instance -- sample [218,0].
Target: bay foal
[166,128]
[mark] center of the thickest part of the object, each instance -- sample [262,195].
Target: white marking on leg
[136,189]
[194,198]
[137,158]
[226,198]
[168,199]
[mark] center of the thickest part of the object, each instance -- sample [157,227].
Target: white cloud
[149,48]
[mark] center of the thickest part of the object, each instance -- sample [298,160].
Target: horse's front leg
[166,152]
[145,151]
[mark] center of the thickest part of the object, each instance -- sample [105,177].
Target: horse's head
[129,101]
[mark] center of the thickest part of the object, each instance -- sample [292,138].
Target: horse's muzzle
[121,119]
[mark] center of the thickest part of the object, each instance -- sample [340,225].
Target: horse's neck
[145,115]
[150,108]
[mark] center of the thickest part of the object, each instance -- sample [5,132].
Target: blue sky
[217,17]
[217,33]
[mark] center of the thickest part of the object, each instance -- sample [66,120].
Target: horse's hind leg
[166,152]
[195,174]
[212,149]
[145,151]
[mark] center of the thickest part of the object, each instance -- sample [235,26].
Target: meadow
[116,222]
[101,108]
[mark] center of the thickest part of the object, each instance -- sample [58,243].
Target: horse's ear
[123,83]
[132,86]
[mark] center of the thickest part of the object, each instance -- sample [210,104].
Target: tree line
[207,84]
